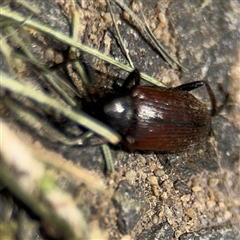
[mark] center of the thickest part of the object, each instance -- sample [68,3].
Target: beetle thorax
[119,113]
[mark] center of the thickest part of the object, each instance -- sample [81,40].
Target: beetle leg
[193,85]
[131,82]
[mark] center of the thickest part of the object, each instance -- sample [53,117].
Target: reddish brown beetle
[154,118]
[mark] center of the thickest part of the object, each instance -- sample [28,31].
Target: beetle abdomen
[167,120]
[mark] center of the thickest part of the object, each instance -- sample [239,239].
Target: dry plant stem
[29,6]
[90,179]
[119,36]
[108,159]
[147,33]
[81,72]
[73,55]
[51,77]
[34,121]
[13,34]
[39,209]
[77,116]
[7,52]
[8,13]
[37,189]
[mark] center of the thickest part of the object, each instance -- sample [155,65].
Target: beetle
[155,118]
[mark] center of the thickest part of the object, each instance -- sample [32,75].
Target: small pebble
[152,166]
[153,180]
[161,214]
[212,182]
[58,58]
[186,198]
[49,54]
[227,215]
[141,159]
[164,195]
[190,213]
[159,172]
[167,184]
[155,219]
[211,204]
[131,176]
[196,188]
[222,205]
[162,19]
[126,237]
